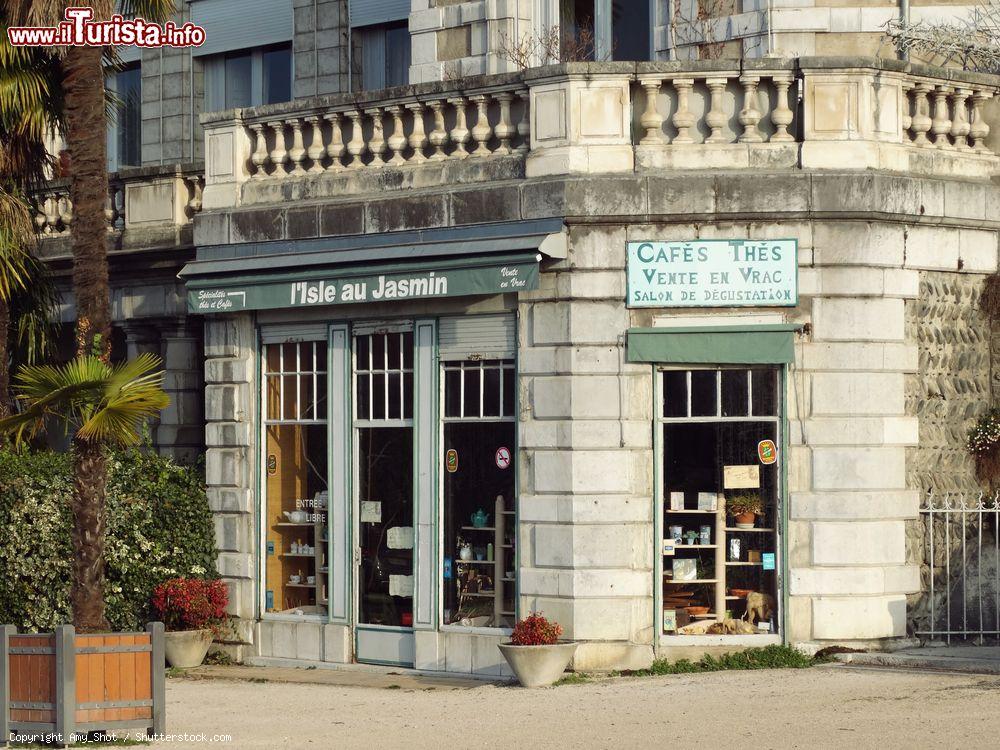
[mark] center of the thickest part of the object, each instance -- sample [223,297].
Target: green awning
[723,345]
[361,283]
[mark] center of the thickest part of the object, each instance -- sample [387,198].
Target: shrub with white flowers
[985,436]
[159,527]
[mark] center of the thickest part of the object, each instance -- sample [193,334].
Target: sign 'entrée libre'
[713,273]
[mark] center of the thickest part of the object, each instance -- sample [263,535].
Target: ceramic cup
[310,579]
[294,579]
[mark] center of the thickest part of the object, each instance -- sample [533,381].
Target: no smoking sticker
[503,458]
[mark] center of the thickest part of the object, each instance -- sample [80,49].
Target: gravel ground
[829,706]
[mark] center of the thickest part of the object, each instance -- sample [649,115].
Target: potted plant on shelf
[535,652]
[193,611]
[745,507]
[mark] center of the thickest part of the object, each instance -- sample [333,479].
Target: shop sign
[767,452]
[362,288]
[713,273]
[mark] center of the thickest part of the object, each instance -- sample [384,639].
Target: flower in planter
[536,630]
[982,444]
[745,503]
[191,604]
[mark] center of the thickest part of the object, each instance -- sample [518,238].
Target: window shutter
[368,12]
[241,24]
[477,337]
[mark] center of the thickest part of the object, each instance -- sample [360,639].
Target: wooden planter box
[62,683]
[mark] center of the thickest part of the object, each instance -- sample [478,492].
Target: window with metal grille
[383,377]
[295,382]
[475,390]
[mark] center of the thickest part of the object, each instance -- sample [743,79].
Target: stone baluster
[40,220]
[683,119]
[51,215]
[418,136]
[195,186]
[524,124]
[979,128]
[398,140]
[109,211]
[460,133]
[504,130]
[118,205]
[279,154]
[439,136]
[64,207]
[960,125]
[297,153]
[259,156]
[651,120]
[906,113]
[377,145]
[750,116]
[941,123]
[316,148]
[781,116]
[921,121]
[716,118]
[483,131]
[356,146]
[336,148]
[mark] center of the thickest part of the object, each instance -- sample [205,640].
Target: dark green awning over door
[724,345]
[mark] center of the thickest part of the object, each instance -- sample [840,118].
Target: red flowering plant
[191,604]
[536,630]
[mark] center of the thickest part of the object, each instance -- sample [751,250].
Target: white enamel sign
[713,273]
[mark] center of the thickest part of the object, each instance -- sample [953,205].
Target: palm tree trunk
[85,136]
[5,399]
[90,470]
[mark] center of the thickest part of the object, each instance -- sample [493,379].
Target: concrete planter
[538,666]
[187,648]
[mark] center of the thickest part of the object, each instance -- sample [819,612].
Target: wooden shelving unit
[502,593]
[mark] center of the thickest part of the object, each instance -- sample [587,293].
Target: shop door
[384,496]
[721,502]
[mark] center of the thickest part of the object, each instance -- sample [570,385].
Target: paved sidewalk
[340,676]
[970,659]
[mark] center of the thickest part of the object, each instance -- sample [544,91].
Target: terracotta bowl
[695,611]
[742,593]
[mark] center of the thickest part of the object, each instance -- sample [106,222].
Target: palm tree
[85,128]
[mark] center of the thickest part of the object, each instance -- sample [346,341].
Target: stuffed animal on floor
[759,606]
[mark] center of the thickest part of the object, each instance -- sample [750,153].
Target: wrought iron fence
[962,566]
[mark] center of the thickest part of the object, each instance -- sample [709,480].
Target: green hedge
[159,526]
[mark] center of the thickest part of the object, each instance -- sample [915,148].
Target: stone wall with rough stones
[952,385]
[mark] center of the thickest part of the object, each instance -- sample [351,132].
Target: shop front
[385,437]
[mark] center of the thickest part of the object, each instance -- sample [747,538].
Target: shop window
[480,531]
[295,461]
[720,437]
[383,420]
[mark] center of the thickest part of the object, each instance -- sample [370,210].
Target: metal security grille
[295,382]
[962,548]
[383,377]
[479,390]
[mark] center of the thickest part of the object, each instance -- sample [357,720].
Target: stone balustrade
[147,196]
[806,113]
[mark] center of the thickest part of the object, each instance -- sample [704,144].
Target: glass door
[721,501]
[383,439]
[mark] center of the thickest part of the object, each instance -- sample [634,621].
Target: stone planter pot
[538,666]
[187,648]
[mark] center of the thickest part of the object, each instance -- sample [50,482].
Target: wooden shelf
[694,546]
[686,512]
[301,585]
[310,555]
[310,524]
[475,562]
[740,562]
[706,616]
[478,528]
[508,580]
[755,528]
[696,580]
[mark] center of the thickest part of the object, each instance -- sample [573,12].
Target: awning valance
[489,259]
[717,345]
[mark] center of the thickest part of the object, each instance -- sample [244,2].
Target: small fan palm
[97,402]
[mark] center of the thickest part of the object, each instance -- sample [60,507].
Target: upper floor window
[606,29]
[125,129]
[248,78]
[384,58]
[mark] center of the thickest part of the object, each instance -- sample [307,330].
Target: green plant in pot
[535,653]
[193,611]
[745,507]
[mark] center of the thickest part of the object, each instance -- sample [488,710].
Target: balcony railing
[143,197]
[805,113]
